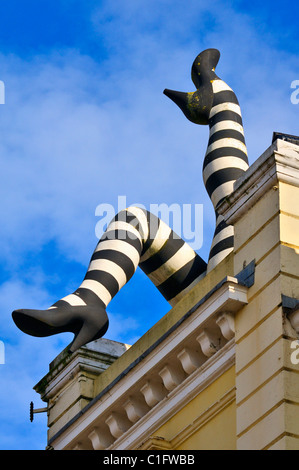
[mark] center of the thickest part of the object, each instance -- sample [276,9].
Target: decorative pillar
[264,209]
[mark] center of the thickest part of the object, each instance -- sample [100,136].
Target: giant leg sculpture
[134,237]
[214,103]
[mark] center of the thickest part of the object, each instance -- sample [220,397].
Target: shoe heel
[90,331]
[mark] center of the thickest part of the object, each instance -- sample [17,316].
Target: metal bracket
[37,410]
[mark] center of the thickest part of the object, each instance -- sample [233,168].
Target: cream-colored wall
[225,268]
[206,422]
[265,414]
[253,404]
[267,382]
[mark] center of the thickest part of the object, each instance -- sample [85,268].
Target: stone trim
[280,162]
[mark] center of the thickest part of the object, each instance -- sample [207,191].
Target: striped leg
[137,237]
[225,161]
[222,243]
[215,104]
[169,262]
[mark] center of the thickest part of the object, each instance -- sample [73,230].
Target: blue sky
[85,121]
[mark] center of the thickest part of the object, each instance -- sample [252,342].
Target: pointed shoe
[88,323]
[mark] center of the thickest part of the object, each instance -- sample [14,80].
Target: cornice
[195,351]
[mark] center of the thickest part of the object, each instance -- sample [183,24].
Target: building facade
[220,369]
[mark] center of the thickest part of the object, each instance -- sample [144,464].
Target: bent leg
[135,237]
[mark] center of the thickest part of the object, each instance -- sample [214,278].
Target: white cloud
[77,131]
[67,150]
